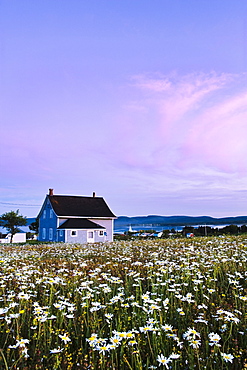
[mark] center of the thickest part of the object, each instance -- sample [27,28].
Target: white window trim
[50,233]
[73,231]
[89,237]
[101,233]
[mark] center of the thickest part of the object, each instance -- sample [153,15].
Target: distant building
[75,219]
[17,238]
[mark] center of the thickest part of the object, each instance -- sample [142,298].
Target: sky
[142,101]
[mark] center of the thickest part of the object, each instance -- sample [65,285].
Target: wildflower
[214,339]
[129,334]
[244,298]
[145,329]
[172,335]
[103,348]
[211,291]
[22,342]
[56,350]
[116,340]
[227,357]
[191,334]
[174,356]
[24,352]
[23,295]
[109,315]
[64,338]
[146,297]
[70,316]
[3,310]
[132,342]
[195,343]
[163,360]
[167,327]
[154,307]
[180,311]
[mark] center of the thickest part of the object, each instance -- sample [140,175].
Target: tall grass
[172,304]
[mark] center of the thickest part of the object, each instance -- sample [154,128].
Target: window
[73,233]
[44,214]
[101,233]
[50,233]
[43,233]
[51,213]
[61,232]
[90,234]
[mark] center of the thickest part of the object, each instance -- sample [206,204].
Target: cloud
[184,131]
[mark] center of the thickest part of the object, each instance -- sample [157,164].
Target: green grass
[172,304]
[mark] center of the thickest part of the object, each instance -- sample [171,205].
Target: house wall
[60,236]
[82,236]
[47,222]
[17,238]
[107,224]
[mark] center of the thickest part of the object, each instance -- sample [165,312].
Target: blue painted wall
[47,221]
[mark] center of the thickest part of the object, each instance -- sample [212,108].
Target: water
[161,228]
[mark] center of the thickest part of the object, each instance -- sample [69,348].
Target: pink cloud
[184,132]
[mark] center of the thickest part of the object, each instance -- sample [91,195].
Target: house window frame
[101,233]
[50,233]
[90,235]
[44,213]
[43,233]
[51,213]
[73,233]
[60,232]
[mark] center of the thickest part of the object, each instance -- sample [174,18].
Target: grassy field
[166,304]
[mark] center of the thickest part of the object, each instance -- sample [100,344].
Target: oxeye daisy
[214,339]
[195,343]
[227,357]
[56,350]
[64,338]
[163,360]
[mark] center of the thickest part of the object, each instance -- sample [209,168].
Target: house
[75,219]
[17,238]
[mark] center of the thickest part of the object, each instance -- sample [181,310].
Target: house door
[90,237]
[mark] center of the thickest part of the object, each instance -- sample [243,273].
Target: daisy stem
[4,359]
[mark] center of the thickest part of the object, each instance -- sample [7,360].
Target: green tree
[11,220]
[34,226]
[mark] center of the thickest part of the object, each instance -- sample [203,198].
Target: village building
[75,219]
[19,237]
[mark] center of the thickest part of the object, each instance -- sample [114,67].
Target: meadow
[153,304]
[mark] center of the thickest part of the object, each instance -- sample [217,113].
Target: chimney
[50,192]
[94,194]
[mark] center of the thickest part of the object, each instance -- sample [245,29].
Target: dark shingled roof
[66,205]
[79,223]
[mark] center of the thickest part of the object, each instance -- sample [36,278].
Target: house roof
[79,223]
[66,205]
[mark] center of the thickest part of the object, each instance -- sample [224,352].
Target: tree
[34,226]
[11,220]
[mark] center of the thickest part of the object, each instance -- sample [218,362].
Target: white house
[17,238]
[75,219]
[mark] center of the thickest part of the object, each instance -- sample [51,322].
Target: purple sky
[143,102]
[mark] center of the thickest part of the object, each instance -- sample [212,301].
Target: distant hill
[155,220]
